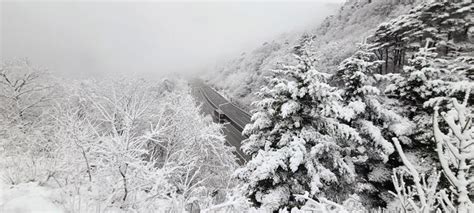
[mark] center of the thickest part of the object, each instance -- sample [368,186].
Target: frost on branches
[26,96]
[296,142]
[126,145]
[456,154]
[149,146]
[455,148]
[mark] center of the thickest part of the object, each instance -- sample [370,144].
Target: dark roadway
[211,100]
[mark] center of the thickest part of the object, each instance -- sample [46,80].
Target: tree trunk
[386,59]
[124,179]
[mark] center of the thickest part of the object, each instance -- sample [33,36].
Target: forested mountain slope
[241,77]
[389,126]
[334,40]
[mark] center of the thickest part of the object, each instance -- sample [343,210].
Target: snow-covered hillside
[333,41]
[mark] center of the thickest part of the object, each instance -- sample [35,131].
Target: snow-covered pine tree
[425,81]
[436,49]
[445,24]
[296,142]
[357,74]
[374,121]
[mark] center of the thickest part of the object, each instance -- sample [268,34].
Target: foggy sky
[84,39]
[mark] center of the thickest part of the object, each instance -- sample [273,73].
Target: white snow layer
[27,198]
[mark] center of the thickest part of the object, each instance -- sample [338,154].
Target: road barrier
[231,121]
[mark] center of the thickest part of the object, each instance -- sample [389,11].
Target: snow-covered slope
[333,41]
[336,38]
[241,77]
[28,197]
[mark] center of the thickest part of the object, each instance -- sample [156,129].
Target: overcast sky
[105,38]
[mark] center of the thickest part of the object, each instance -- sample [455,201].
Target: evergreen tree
[445,25]
[427,80]
[296,142]
[432,47]
[373,120]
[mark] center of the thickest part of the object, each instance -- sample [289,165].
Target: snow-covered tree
[432,43]
[455,154]
[137,144]
[419,197]
[426,80]
[372,118]
[357,74]
[444,24]
[126,144]
[296,142]
[24,91]
[195,147]
[26,130]
[100,127]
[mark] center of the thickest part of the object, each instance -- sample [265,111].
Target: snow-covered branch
[455,155]
[455,151]
[421,197]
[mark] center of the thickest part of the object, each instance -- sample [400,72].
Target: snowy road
[238,118]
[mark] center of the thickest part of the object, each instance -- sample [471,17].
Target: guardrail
[231,121]
[243,111]
[240,109]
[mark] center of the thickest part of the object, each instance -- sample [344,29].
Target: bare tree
[26,93]
[23,89]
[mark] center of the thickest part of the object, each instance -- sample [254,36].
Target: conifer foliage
[444,24]
[296,141]
[372,119]
[425,81]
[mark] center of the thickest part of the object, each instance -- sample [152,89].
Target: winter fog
[102,38]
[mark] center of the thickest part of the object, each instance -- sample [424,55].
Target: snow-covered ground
[28,197]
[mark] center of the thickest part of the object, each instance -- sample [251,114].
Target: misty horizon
[83,39]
